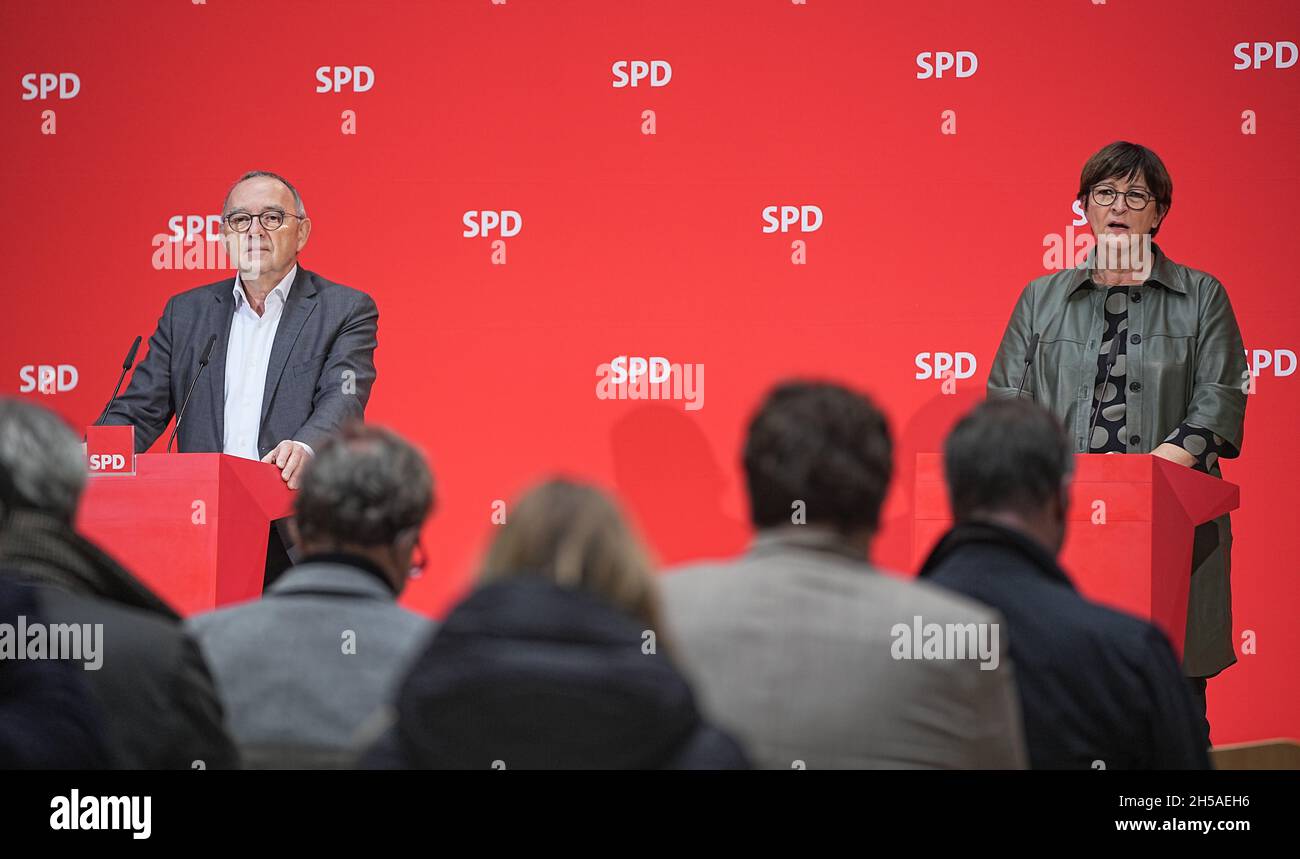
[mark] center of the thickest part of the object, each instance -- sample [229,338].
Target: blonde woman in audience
[557,659]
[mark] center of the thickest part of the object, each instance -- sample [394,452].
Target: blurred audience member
[152,686]
[302,668]
[557,660]
[797,646]
[1095,684]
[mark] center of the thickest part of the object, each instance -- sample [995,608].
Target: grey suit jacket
[790,648]
[319,378]
[304,667]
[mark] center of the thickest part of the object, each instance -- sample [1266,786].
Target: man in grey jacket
[303,668]
[267,364]
[811,656]
[293,357]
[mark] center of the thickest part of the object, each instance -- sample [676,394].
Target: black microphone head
[207,351]
[1114,349]
[130,355]
[1033,347]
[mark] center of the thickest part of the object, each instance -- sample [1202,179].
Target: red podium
[1129,539]
[192,526]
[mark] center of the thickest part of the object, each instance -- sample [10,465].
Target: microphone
[126,365]
[1105,380]
[1029,359]
[203,362]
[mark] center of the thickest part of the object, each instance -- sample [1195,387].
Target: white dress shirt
[247,355]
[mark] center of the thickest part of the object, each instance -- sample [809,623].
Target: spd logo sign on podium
[110,450]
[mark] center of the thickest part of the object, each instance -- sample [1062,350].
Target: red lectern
[192,526]
[1129,540]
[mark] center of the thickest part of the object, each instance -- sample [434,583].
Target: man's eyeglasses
[272,219]
[1104,195]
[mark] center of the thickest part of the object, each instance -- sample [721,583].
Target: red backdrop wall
[653,244]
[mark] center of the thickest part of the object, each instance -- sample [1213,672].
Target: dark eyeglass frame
[1145,197]
[261,219]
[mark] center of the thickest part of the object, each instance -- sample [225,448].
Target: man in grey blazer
[803,649]
[293,359]
[302,669]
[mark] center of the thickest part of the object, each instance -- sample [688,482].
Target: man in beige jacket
[810,655]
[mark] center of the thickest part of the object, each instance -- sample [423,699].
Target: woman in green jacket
[1138,354]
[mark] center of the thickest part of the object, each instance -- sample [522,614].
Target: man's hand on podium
[289,457]
[1174,453]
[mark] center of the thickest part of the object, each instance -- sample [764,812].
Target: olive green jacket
[1185,363]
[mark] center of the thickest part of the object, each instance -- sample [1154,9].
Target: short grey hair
[365,487]
[41,465]
[299,209]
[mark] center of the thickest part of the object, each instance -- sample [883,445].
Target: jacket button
[1135,339]
[1135,297]
[1135,440]
[1135,386]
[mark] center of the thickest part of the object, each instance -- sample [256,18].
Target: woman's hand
[1174,453]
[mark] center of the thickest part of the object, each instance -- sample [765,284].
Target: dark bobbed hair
[1128,161]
